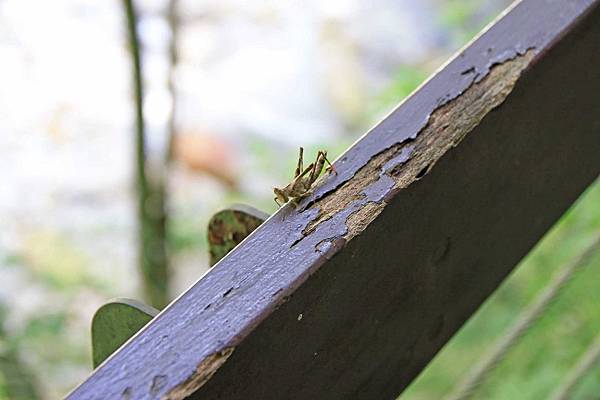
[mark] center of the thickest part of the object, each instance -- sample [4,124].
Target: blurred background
[232,88]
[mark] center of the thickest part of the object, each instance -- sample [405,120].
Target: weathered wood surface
[353,294]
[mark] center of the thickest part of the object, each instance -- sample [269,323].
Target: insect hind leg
[317,166]
[300,166]
[330,167]
[319,163]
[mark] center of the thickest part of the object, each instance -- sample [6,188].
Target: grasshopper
[303,180]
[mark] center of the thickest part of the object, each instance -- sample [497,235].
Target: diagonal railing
[352,293]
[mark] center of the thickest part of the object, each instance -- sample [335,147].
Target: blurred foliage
[465,18]
[3,388]
[404,82]
[16,379]
[55,260]
[534,367]
[185,233]
[44,326]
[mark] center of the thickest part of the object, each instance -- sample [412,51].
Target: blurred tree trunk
[173,21]
[151,193]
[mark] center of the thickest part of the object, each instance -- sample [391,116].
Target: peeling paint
[205,370]
[361,198]
[391,133]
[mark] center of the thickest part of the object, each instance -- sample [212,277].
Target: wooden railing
[352,293]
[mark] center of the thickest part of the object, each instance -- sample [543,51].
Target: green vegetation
[406,80]
[465,18]
[16,380]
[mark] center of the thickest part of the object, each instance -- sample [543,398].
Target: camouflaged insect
[303,180]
